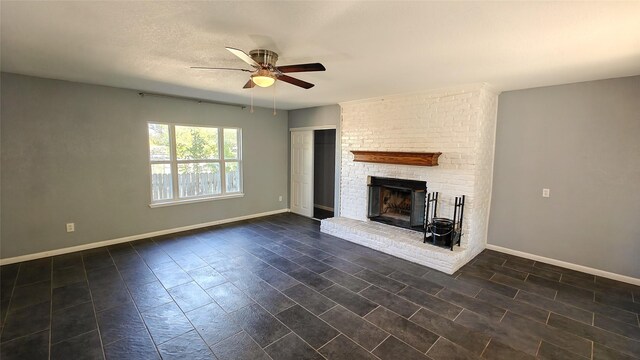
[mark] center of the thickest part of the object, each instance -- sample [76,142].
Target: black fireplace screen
[397,202]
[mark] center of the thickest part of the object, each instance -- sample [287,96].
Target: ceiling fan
[265,72]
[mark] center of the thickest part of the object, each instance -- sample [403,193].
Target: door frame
[336,178]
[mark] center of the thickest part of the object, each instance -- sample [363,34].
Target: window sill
[196,200]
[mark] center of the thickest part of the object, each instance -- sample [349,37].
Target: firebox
[397,202]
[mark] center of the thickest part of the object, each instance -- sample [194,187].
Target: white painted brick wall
[459,122]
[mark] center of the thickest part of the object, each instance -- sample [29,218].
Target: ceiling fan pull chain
[252,99]
[274,99]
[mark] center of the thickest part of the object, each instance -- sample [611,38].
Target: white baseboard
[568,265]
[328,208]
[133,238]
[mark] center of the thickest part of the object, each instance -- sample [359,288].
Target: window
[194,162]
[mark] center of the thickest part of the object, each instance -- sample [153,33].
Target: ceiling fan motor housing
[264,57]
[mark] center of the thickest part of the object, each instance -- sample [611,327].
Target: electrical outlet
[545,193]
[280,198]
[71,227]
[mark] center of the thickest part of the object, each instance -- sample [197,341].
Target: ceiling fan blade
[243,55]
[296,82]
[217,68]
[250,84]
[301,68]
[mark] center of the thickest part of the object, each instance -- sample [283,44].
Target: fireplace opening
[397,202]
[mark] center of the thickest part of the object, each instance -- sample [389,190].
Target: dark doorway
[324,164]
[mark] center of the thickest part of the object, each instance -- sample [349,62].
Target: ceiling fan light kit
[263,78]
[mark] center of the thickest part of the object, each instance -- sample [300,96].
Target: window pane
[232,177]
[198,179]
[196,143]
[161,182]
[159,148]
[230,143]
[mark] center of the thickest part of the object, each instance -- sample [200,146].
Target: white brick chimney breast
[460,122]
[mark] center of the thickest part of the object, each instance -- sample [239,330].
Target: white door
[302,172]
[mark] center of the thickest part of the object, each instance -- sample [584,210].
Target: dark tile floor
[277,288]
[321,213]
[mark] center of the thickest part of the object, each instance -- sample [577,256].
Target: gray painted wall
[324,155]
[582,141]
[78,153]
[321,116]
[315,116]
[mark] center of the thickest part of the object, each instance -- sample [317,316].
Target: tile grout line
[381,342]
[374,309]
[50,320]
[13,288]
[340,332]
[486,346]
[461,310]
[210,347]
[503,315]
[290,330]
[363,319]
[359,292]
[330,340]
[276,340]
[324,312]
[405,286]
[480,290]
[608,332]
[155,347]
[221,340]
[252,340]
[415,312]
[93,305]
[406,343]
[611,332]
[75,336]
[434,344]
[23,336]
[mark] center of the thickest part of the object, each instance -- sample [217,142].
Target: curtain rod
[199,101]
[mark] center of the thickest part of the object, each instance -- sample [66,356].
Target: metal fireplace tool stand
[443,230]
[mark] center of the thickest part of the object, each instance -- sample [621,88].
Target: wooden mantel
[396,157]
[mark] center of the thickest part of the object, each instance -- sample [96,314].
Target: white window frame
[174,162]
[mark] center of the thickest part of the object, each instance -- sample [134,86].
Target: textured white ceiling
[369,48]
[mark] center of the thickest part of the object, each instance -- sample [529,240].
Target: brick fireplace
[459,122]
